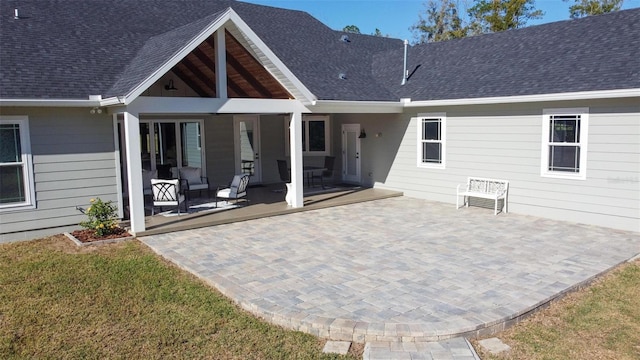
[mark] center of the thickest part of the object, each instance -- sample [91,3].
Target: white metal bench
[484,188]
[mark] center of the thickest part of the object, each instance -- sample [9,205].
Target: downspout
[404,69]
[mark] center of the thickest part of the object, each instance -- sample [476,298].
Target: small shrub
[103,219]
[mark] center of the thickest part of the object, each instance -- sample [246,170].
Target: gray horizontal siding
[83,162]
[272,142]
[219,149]
[73,161]
[505,142]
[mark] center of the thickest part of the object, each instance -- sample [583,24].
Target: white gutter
[116,100]
[582,95]
[49,102]
[61,102]
[327,106]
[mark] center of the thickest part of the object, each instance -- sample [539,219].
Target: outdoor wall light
[170,87]
[95,110]
[362,134]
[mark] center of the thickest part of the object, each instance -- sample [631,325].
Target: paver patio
[398,269]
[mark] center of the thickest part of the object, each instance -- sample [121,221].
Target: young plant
[102,217]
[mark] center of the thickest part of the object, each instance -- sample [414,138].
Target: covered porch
[222,102]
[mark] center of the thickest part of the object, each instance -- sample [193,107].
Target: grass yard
[123,301]
[599,322]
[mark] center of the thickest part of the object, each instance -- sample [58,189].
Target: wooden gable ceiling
[246,77]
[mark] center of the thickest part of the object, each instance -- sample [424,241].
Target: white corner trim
[582,95]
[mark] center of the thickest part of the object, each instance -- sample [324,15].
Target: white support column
[297,177]
[221,64]
[134,171]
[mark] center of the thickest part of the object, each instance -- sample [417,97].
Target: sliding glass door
[167,145]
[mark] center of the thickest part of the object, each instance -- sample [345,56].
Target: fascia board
[180,105]
[582,95]
[356,107]
[176,58]
[50,102]
[262,47]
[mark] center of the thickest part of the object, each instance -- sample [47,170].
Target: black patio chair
[327,173]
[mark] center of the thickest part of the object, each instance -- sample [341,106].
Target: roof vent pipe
[15,14]
[404,69]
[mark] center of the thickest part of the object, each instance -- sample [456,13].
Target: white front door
[351,153]
[247,146]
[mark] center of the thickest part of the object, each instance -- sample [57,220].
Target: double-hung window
[315,135]
[16,175]
[431,140]
[564,143]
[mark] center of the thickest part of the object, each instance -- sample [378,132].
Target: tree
[582,8]
[351,29]
[439,22]
[378,33]
[499,15]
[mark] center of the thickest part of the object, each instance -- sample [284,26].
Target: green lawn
[599,322]
[123,301]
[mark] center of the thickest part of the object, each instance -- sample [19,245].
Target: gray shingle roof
[156,51]
[594,53]
[315,54]
[71,49]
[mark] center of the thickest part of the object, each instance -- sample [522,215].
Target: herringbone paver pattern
[398,269]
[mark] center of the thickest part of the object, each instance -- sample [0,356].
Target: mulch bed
[87,235]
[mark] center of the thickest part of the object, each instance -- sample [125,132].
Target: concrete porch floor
[396,270]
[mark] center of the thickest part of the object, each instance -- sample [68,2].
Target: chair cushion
[192,175]
[165,191]
[224,193]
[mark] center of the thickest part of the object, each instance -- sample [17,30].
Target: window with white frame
[315,135]
[16,175]
[564,143]
[431,140]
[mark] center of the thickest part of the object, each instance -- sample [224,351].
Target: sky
[394,17]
